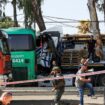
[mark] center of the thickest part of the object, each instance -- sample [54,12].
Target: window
[21,42]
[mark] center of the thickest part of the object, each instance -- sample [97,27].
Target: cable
[61,18]
[73,20]
[62,23]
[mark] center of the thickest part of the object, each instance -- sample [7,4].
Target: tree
[15,13]
[6,22]
[2,2]
[101,6]
[32,12]
[95,27]
[27,10]
[36,10]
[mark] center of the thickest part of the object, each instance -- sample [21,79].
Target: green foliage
[6,22]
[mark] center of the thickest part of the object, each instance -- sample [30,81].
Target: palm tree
[37,13]
[15,13]
[2,2]
[32,12]
[101,6]
[95,27]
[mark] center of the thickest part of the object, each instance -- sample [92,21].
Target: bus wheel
[102,80]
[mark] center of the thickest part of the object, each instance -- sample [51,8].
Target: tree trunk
[38,15]
[104,10]
[25,19]
[95,28]
[15,13]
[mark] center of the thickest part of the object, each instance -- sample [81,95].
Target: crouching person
[58,84]
[6,98]
[81,83]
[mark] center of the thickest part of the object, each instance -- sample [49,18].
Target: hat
[56,68]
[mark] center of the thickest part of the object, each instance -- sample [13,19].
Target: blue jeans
[81,91]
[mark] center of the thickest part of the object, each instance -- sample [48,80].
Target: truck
[26,51]
[22,46]
[30,61]
[71,56]
[5,58]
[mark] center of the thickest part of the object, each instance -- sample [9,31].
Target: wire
[61,18]
[68,20]
[62,23]
[73,20]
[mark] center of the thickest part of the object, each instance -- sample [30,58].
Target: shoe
[89,95]
[94,97]
[92,61]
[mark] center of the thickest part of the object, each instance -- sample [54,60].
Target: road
[43,96]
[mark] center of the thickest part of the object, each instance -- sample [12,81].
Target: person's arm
[86,62]
[85,80]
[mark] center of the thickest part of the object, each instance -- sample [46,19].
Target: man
[58,84]
[6,98]
[81,83]
[91,47]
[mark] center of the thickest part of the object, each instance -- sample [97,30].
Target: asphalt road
[44,96]
[41,102]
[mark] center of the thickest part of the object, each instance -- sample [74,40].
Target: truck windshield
[4,46]
[21,42]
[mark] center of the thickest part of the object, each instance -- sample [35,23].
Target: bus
[22,47]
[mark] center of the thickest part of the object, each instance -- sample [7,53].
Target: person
[58,84]
[83,52]
[91,47]
[6,98]
[81,83]
[69,43]
[84,61]
[98,49]
[45,55]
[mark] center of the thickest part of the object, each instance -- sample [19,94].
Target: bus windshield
[21,42]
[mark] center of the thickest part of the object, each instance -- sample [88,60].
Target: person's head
[6,98]
[83,60]
[55,70]
[91,37]
[54,63]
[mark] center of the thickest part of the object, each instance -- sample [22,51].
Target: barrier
[49,78]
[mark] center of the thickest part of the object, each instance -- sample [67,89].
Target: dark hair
[9,93]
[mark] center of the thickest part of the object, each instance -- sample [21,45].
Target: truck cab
[5,58]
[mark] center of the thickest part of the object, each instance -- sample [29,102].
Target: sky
[66,9]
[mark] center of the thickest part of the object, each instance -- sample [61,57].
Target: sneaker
[89,95]
[92,61]
[94,97]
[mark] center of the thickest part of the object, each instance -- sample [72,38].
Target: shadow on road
[46,102]
[41,102]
